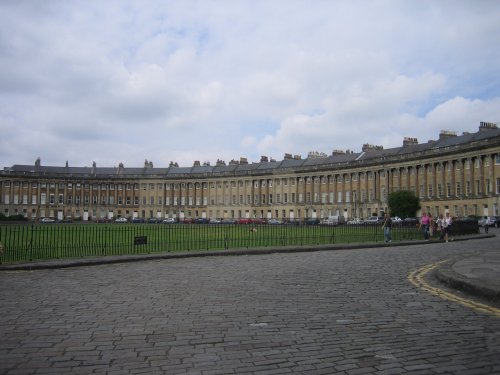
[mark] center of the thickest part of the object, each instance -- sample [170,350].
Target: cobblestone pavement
[329,312]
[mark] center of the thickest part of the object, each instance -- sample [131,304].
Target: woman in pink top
[424,225]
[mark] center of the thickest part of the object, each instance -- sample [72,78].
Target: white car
[121,220]
[168,220]
[48,220]
[355,221]
[274,222]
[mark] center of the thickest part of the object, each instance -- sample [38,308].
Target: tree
[403,203]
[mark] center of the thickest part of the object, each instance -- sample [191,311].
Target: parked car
[257,221]
[274,222]
[228,221]
[168,220]
[495,221]
[372,220]
[186,221]
[214,221]
[47,220]
[102,220]
[121,220]
[312,221]
[355,221]
[137,220]
[201,220]
[396,220]
[154,220]
[410,221]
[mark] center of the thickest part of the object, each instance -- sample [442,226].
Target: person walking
[424,225]
[387,228]
[446,225]
[432,225]
[486,224]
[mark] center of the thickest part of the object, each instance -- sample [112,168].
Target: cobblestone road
[330,312]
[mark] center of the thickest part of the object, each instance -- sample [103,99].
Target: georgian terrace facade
[456,173]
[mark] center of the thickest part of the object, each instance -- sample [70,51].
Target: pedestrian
[486,224]
[439,226]
[424,225]
[432,223]
[447,222]
[387,228]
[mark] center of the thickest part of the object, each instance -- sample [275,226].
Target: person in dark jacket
[387,228]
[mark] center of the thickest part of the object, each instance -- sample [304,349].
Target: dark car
[312,221]
[154,220]
[137,220]
[201,220]
[410,221]
[495,221]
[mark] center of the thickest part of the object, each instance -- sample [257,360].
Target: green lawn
[50,241]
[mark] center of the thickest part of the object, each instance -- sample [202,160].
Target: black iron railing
[32,242]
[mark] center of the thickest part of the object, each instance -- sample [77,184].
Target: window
[458,189]
[339,197]
[467,187]
[448,189]
[498,185]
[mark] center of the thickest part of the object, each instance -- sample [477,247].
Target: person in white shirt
[446,225]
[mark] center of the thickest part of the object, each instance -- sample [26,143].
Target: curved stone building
[456,173]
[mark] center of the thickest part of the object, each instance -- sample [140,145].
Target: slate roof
[444,142]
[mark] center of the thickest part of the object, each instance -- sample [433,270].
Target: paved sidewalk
[479,275]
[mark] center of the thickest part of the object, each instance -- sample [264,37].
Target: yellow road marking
[417,278]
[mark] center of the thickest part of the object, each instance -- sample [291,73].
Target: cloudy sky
[180,80]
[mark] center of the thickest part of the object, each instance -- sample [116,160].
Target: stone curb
[81,262]
[446,275]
